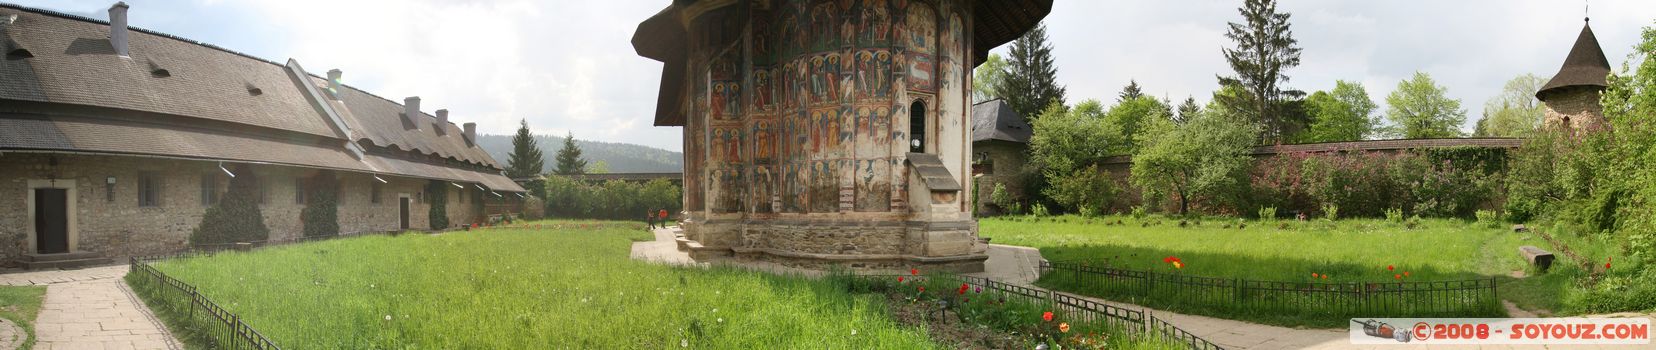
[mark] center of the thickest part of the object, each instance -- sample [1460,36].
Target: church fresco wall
[807,115]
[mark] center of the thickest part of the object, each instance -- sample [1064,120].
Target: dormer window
[18,54]
[160,73]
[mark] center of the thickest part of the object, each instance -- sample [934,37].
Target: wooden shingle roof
[1585,66]
[172,97]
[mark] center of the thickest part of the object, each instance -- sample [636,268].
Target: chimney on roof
[442,121]
[333,82]
[118,28]
[471,132]
[411,110]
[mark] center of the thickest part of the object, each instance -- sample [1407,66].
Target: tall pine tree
[1132,91]
[569,158]
[1031,80]
[1265,48]
[1187,110]
[525,159]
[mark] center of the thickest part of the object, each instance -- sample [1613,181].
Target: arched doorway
[917,127]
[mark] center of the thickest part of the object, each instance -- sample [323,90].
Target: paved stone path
[92,309]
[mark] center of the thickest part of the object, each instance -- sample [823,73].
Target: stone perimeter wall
[120,227]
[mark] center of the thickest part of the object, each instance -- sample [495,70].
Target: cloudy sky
[568,66]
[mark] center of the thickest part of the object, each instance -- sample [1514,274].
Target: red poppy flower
[1390,268]
[963,288]
[1047,316]
[915,272]
[1606,266]
[1405,274]
[1313,275]
[922,289]
[1325,276]
[899,279]
[1397,276]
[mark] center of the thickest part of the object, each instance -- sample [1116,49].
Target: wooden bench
[1540,258]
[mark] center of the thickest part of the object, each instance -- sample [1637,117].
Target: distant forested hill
[622,157]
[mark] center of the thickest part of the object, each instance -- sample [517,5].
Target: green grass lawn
[520,288]
[1357,250]
[21,304]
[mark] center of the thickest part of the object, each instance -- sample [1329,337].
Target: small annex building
[1000,148]
[115,140]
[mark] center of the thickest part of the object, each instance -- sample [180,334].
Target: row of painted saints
[817,124]
[821,132]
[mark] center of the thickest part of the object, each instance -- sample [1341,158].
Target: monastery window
[917,127]
[149,190]
[298,190]
[209,189]
[264,190]
[374,192]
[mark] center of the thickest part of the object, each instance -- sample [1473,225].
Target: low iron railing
[1457,298]
[1136,322]
[200,316]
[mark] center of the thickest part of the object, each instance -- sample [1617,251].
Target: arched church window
[917,127]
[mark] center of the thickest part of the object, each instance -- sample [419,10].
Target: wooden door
[51,220]
[403,204]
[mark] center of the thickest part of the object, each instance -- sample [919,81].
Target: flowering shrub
[1368,184]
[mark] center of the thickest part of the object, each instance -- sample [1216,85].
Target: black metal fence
[1162,331]
[1135,322]
[198,316]
[1459,298]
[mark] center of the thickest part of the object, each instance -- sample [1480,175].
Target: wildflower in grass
[853,331]
[1390,268]
[1047,316]
[1397,276]
[1607,263]
[1325,276]
[684,343]
[962,289]
[1405,274]
[1063,327]
[1177,264]
[978,289]
[899,279]
[387,317]
[922,289]
[914,272]
[1313,275]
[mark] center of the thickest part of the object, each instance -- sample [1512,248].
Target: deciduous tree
[1515,112]
[988,78]
[1206,158]
[1420,108]
[1343,114]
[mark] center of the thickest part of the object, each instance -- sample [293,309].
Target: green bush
[1394,215]
[1087,188]
[1039,210]
[1267,213]
[615,199]
[437,191]
[236,217]
[321,213]
[1488,218]
[1331,212]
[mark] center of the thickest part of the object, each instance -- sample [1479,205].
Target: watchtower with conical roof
[1572,96]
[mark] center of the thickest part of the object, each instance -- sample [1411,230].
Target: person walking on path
[649,219]
[663,215]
